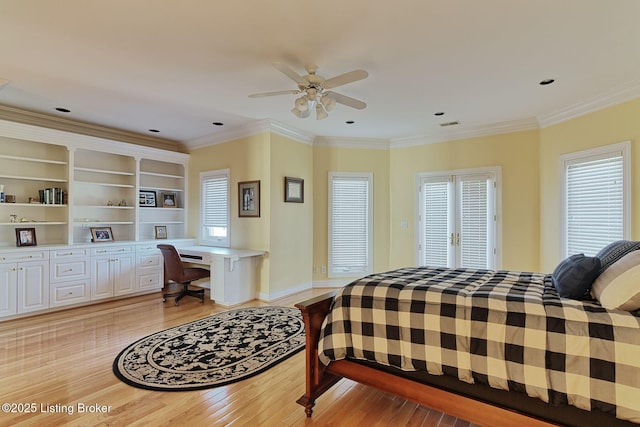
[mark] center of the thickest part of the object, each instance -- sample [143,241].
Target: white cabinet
[149,268]
[8,289]
[69,278]
[24,282]
[33,286]
[112,271]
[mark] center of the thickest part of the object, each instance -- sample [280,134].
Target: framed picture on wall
[26,237]
[249,199]
[293,190]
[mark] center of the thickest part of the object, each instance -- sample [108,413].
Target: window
[457,218]
[595,208]
[214,217]
[350,224]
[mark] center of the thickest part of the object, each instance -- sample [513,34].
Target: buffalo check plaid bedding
[507,329]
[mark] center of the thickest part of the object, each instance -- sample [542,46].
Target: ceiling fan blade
[287,71]
[280,92]
[347,100]
[343,79]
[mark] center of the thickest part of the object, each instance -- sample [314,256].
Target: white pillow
[618,287]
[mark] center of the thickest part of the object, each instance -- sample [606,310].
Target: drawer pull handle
[69,270]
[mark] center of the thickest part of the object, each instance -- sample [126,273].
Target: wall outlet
[324,270]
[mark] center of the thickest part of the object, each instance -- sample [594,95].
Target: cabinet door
[101,281]
[123,275]
[33,286]
[8,289]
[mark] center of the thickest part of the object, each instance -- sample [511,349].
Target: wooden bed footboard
[320,378]
[317,380]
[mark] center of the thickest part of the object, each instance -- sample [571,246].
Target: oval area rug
[214,351]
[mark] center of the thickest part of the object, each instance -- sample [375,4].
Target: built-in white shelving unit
[99,184]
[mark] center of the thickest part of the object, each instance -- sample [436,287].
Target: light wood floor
[64,360]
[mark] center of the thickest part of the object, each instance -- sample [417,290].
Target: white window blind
[436,229]
[474,218]
[215,207]
[350,224]
[594,201]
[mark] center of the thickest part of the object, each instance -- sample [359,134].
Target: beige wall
[339,159]
[284,230]
[291,252]
[611,125]
[296,234]
[516,154]
[248,159]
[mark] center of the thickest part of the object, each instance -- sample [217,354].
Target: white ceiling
[178,66]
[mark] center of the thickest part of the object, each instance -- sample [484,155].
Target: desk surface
[216,251]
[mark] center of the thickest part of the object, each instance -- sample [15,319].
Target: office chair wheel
[164,300]
[177,303]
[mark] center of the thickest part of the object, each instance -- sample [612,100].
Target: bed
[491,347]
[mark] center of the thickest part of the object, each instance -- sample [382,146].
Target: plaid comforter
[507,329]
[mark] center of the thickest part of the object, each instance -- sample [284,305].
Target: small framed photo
[26,237]
[148,199]
[249,199]
[101,234]
[293,190]
[169,200]
[161,231]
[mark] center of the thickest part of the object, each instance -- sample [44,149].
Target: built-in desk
[233,271]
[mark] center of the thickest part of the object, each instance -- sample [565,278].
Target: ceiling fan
[315,90]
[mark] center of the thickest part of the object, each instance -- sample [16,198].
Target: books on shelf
[53,196]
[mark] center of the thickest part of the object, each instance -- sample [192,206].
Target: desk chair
[175,270]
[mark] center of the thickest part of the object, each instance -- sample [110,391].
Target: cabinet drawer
[19,255]
[70,269]
[110,250]
[154,261]
[152,280]
[69,293]
[68,253]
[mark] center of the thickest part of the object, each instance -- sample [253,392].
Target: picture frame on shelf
[161,232]
[148,199]
[169,200]
[26,237]
[101,234]
[293,190]
[249,199]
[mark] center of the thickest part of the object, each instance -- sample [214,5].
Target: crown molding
[618,95]
[466,133]
[57,123]
[346,142]
[251,129]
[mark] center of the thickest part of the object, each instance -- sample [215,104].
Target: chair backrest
[173,268]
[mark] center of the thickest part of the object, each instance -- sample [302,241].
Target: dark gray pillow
[573,277]
[615,251]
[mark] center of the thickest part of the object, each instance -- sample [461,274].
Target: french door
[458,219]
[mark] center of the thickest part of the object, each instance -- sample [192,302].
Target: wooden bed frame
[320,378]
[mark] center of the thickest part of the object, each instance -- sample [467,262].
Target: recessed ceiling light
[439,113]
[154,130]
[218,124]
[546,82]
[63,110]
[349,122]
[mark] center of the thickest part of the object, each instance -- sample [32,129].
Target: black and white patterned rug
[214,351]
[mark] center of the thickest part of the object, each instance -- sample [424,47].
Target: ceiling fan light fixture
[320,113]
[302,103]
[300,114]
[328,103]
